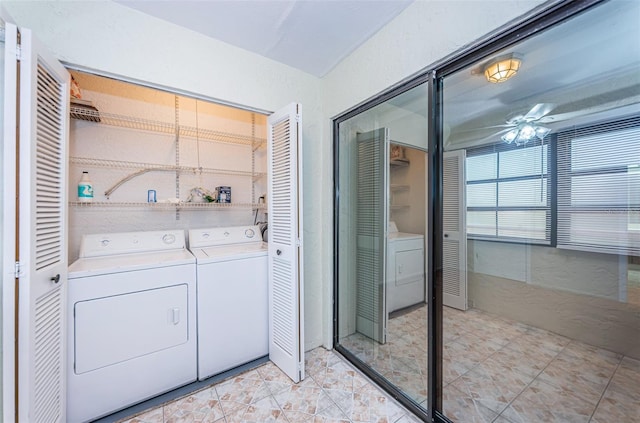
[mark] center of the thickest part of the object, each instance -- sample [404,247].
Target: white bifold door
[41,267]
[454,243]
[372,184]
[286,324]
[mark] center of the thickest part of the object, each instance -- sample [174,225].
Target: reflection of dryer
[405,269]
[131,321]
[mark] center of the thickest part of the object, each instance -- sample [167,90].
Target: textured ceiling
[310,35]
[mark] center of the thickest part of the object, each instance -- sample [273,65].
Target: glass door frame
[549,14]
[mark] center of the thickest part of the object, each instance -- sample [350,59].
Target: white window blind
[508,194]
[599,188]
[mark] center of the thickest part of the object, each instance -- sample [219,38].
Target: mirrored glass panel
[541,260]
[381,251]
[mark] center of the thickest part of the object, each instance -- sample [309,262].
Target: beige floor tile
[585,380]
[518,362]
[491,386]
[201,406]
[150,416]
[371,405]
[599,357]
[306,397]
[274,378]
[542,402]
[530,346]
[617,406]
[266,410]
[241,391]
[464,409]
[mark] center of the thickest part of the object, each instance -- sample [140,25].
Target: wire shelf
[129,122]
[118,164]
[168,206]
[121,120]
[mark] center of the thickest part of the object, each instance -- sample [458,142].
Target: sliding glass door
[489,226]
[550,128]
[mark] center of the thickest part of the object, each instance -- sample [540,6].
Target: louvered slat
[371,221]
[48,362]
[280,231]
[454,272]
[48,169]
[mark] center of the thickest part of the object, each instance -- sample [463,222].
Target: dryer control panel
[97,245]
[210,237]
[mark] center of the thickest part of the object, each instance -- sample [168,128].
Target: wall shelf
[167,205]
[129,122]
[399,162]
[117,164]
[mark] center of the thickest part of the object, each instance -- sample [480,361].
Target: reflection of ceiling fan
[521,129]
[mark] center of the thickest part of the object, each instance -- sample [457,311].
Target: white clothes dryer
[233,313]
[131,321]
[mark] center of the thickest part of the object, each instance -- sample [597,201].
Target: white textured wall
[423,33]
[111,38]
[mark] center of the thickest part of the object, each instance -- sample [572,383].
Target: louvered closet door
[454,245]
[371,224]
[286,326]
[44,98]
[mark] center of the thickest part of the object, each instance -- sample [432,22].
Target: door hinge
[298,242]
[17,271]
[298,117]
[18,52]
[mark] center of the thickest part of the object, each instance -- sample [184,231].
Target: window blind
[599,188]
[508,194]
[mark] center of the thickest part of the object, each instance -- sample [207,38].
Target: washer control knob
[249,233]
[169,238]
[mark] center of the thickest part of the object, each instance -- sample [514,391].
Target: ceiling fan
[521,129]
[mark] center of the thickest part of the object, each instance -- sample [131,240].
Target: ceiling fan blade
[589,110]
[482,128]
[538,111]
[493,137]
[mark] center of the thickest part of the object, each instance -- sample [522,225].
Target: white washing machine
[131,321]
[233,312]
[405,269]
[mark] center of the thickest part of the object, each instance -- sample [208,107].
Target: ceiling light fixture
[525,132]
[502,68]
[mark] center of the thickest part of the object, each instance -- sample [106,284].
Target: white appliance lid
[404,235]
[199,238]
[109,264]
[230,252]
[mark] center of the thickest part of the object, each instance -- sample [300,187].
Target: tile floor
[332,392]
[502,371]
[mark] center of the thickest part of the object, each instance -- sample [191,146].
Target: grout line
[604,391]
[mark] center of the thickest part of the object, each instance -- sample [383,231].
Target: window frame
[550,208]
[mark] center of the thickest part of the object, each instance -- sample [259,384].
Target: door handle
[278,252]
[56,278]
[446,235]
